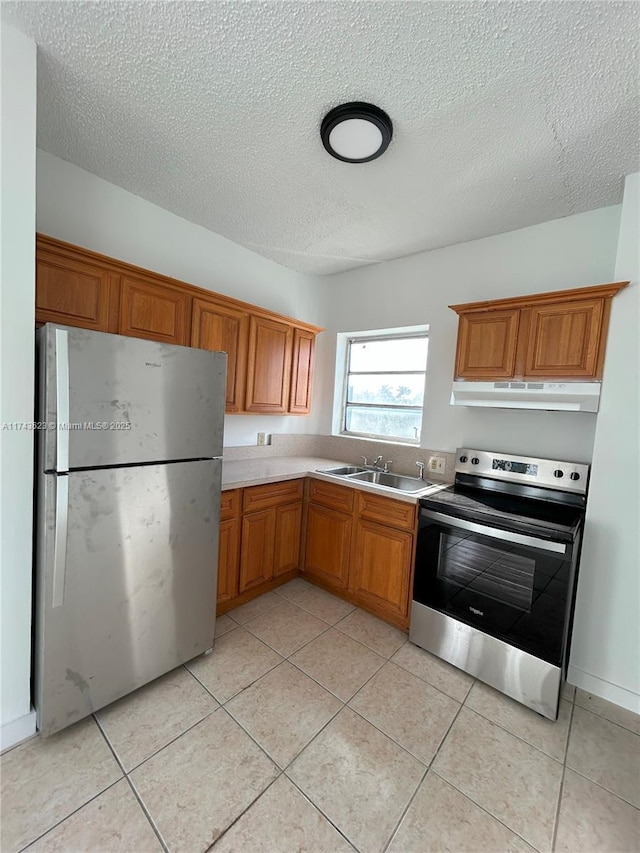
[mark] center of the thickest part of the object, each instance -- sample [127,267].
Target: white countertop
[240,473]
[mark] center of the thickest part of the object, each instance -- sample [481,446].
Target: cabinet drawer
[272,494]
[229,504]
[335,497]
[398,514]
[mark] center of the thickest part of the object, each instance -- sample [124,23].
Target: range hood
[549,396]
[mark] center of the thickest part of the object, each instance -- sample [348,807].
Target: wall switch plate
[261,439]
[436,464]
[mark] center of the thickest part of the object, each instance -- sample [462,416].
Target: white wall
[17,288]
[78,207]
[573,252]
[605,656]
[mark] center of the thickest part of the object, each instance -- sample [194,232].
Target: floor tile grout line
[429,765]
[244,811]
[465,794]
[109,744]
[169,742]
[147,814]
[324,815]
[483,809]
[603,788]
[513,734]
[283,769]
[339,698]
[71,813]
[607,720]
[556,819]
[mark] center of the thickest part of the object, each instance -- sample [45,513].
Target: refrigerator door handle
[60,541]
[62,400]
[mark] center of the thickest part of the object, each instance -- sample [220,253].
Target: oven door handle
[496,533]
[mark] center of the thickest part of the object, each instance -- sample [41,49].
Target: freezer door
[126,400]
[126,586]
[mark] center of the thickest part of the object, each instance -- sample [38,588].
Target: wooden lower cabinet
[228,552]
[288,531]
[260,532]
[381,569]
[357,544]
[360,545]
[229,545]
[256,548]
[328,545]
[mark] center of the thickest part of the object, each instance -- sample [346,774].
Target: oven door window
[515,592]
[500,573]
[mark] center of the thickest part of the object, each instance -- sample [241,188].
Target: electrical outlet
[261,439]
[436,464]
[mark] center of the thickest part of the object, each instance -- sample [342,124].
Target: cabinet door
[221,328]
[302,372]
[287,539]
[153,310]
[381,569]
[72,291]
[328,545]
[228,553]
[269,366]
[564,340]
[256,551]
[487,344]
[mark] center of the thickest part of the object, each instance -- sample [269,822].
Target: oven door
[512,586]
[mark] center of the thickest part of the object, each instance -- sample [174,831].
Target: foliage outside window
[384,386]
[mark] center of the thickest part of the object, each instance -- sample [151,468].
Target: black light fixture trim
[357,110]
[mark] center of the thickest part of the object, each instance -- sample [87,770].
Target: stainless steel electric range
[496,571]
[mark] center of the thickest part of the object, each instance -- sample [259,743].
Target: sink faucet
[377,464]
[421,470]
[380,466]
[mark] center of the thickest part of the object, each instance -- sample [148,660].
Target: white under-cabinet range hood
[549,396]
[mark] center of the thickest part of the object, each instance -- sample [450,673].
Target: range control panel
[551,473]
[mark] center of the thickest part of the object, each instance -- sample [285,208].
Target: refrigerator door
[127,577]
[126,400]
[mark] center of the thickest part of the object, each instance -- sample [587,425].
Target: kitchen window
[383,389]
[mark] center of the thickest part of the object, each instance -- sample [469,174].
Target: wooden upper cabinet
[222,328]
[302,371]
[153,310]
[71,290]
[556,335]
[269,356]
[269,366]
[565,339]
[487,344]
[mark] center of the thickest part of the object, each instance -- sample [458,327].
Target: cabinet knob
[558,473]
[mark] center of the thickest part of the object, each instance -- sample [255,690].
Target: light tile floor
[315,727]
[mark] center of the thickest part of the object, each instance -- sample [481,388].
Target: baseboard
[604,689]
[17,730]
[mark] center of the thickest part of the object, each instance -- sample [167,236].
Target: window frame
[382,335]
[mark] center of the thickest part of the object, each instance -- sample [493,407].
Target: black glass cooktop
[541,517]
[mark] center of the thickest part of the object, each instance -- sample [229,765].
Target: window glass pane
[402,390]
[374,421]
[390,354]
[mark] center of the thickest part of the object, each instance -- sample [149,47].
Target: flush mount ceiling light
[356,132]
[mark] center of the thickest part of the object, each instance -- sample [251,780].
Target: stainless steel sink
[392,481]
[344,471]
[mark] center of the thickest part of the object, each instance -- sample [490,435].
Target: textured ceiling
[505,114]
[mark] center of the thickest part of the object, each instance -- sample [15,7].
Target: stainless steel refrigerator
[128,496]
